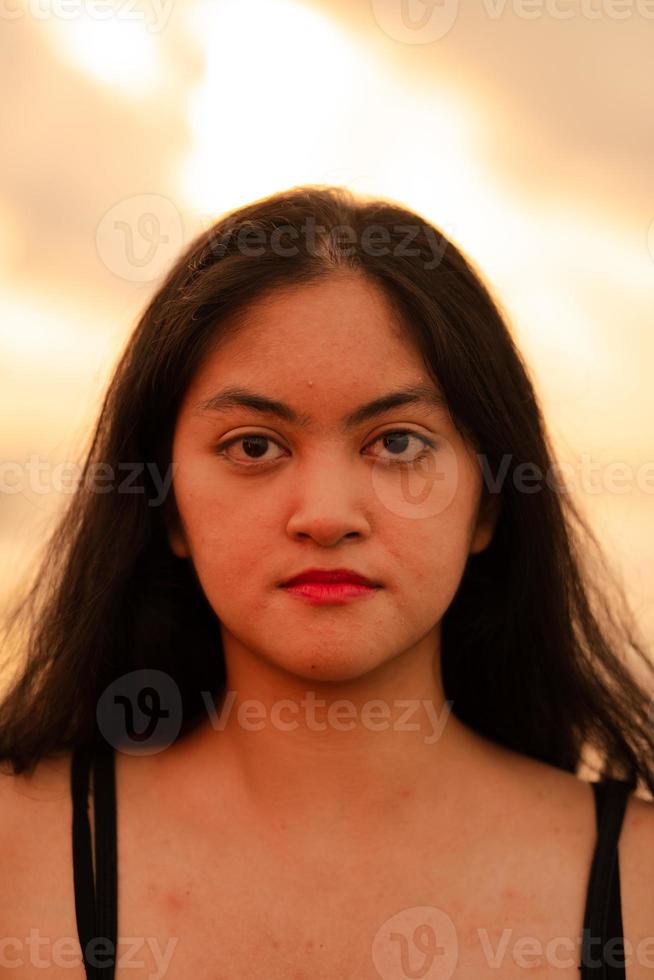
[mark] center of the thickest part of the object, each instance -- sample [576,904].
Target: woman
[323,602]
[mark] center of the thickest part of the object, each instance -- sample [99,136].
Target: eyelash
[428,445]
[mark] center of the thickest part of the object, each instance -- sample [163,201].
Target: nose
[330,502]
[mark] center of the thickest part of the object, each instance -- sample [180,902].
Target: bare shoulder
[46,775]
[35,818]
[568,799]
[542,796]
[23,795]
[637,837]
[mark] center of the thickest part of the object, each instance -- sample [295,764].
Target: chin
[329,666]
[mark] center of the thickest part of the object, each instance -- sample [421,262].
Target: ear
[487,517]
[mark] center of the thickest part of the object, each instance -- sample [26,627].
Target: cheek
[430,556]
[215,513]
[231,547]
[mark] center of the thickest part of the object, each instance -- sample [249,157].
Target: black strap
[82,862]
[96,919]
[603,916]
[105,853]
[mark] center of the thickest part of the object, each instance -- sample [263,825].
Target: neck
[321,758]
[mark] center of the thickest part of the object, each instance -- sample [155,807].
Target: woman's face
[309,488]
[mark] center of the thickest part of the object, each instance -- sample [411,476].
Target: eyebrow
[421,394]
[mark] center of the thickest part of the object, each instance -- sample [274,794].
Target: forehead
[344,326]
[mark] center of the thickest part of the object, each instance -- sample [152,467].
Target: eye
[254,448]
[396,441]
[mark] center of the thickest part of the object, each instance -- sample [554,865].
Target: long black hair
[539,648]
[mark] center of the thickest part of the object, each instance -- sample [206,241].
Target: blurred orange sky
[520,128]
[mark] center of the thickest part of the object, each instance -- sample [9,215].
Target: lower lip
[330,593]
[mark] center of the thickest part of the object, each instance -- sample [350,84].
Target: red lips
[326,575]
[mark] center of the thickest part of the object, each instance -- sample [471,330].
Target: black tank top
[96,907]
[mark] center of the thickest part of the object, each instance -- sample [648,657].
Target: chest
[414,907]
[238,913]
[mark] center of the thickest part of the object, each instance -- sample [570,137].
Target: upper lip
[330,575]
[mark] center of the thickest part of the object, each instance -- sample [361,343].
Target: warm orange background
[523,131]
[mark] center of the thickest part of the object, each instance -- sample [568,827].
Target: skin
[444,805]
[325,497]
[283,851]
